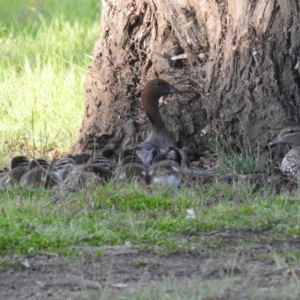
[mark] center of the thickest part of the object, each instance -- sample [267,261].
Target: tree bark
[238,62]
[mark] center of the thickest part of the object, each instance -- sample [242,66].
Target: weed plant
[244,161]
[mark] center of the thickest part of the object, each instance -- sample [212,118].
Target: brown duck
[159,140]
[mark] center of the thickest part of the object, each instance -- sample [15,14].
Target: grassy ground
[45,50]
[239,239]
[246,242]
[133,216]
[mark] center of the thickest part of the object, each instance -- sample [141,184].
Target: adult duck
[159,139]
[290,165]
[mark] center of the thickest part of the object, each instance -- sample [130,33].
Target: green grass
[129,215]
[45,49]
[248,161]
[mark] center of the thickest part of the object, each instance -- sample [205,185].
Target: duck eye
[291,131]
[158,83]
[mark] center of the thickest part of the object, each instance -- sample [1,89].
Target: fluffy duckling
[201,176]
[3,177]
[19,166]
[170,168]
[39,176]
[131,168]
[290,164]
[101,161]
[96,171]
[62,167]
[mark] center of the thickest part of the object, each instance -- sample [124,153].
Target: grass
[193,289]
[45,49]
[247,161]
[150,220]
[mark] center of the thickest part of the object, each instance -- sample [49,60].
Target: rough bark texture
[236,60]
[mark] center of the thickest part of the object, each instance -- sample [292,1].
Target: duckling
[171,168]
[19,166]
[111,153]
[159,139]
[39,176]
[3,177]
[101,161]
[96,171]
[62,167]
[131,168]
[201,176]
[101,167]
[290,165]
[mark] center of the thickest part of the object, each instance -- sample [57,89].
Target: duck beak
[277,140]
[173,90]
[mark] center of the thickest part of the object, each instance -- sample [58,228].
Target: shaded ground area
[223,265]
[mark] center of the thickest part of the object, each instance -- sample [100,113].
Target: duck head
[38,163]
[100,161]
[62,166]
[19,166]
[153,90]
[288,135]
[19,161]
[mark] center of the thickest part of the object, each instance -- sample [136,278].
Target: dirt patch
[122,270]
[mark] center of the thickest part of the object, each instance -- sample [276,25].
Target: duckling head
[19,161]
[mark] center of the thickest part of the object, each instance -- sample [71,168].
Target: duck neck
[158,125]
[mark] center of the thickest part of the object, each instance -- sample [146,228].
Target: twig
[71,282]
[278,260]
[48,253]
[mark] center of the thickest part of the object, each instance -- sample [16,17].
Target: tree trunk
[237,60]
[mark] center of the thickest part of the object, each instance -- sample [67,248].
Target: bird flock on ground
[156,160]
